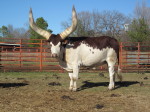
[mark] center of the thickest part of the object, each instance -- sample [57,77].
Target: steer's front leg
[73,79]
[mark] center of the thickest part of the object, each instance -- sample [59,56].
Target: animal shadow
[88,84]
[8,85]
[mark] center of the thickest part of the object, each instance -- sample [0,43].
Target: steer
[74,52]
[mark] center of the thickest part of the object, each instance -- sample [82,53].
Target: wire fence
[34,55]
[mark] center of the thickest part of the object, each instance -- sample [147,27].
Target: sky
[15,12]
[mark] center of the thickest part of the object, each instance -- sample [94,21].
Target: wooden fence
[34,55]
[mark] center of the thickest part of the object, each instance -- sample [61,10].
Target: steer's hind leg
[111,64]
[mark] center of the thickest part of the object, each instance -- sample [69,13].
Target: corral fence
[34,55]
[135,56]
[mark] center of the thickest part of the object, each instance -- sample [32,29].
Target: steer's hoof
[74,89]
[110,87]
[70,88]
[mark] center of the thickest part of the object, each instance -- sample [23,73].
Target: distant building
[8,46]
[126,27]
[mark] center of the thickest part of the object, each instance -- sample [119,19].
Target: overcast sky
[15,12]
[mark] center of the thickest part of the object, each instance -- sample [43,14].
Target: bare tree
[113,22]
[99,23]
[18,32]
[142,11]
[139,28]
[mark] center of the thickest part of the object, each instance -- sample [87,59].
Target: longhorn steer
[74,52]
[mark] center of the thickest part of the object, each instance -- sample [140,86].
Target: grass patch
[41,91]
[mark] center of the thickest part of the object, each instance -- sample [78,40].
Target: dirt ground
[48,92]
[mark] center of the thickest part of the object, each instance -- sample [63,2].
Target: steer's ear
[64,42]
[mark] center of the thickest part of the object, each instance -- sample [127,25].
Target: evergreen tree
[40,22]
[139,30]
[4,31]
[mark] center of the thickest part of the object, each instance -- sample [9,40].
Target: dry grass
[48,92]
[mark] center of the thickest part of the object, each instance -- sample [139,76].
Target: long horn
[37,29]
[73,27]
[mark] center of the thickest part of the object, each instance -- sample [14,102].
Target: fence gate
[26,55]
[135,56]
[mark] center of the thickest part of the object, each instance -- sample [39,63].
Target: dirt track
[49,93]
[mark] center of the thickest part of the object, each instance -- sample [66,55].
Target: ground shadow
[125,84]
[7,85]
[88,84]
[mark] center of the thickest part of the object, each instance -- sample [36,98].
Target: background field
[48,92]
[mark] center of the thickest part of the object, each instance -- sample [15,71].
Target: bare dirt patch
[48,92]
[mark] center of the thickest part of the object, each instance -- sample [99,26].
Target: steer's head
[54,40]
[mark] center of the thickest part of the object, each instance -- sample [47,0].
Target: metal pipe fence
[34,55]
[135,56]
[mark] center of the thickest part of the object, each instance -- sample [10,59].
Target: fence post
[138,54]
[120,55]
[20,53]
[41,48]
[0,56]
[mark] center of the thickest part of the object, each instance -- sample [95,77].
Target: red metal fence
[135,56]
[29,55]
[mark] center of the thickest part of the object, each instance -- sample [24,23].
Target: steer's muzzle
[54,55]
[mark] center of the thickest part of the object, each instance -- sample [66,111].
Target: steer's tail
[119,76]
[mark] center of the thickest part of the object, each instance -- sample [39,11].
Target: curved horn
[37,29]
[73,27]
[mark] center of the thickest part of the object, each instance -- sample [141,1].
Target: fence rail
[27,55]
